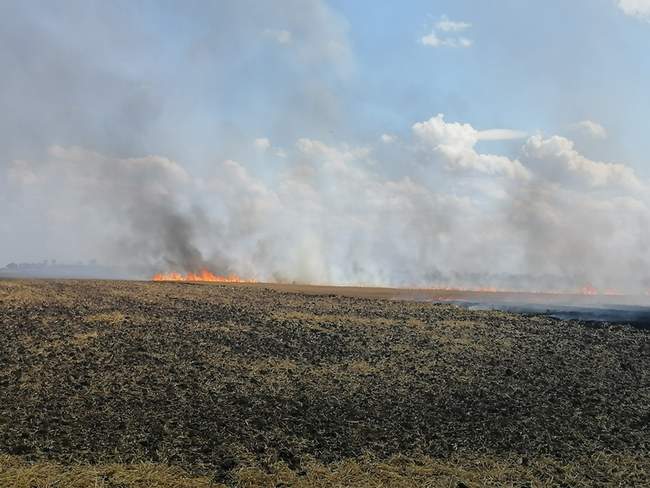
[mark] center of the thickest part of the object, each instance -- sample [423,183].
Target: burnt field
[252,385]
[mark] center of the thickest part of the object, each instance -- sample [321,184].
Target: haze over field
[460,143]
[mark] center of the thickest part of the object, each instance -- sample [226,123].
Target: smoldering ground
[221,378]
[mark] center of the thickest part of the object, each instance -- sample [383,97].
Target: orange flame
[203,275]
[589,289]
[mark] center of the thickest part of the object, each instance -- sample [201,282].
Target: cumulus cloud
[590,128]
[447,26]
[433,40]
[635,8]
[436,132]
[500,134]
[557,159]
[387,138]
[317,150]
[262,143]
[455,142]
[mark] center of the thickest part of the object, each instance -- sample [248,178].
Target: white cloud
[281,36]
[500,134]
[262,143]
[455,142]
[433,39]
[590,128]
[387,138]
[446,25]
[320,151]
[635,8]
[436,132]
[556,159]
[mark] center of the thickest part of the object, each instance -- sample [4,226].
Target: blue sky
[532,65]
[305,139]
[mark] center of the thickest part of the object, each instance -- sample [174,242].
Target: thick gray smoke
[107,151]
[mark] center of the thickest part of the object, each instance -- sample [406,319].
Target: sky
[464,143]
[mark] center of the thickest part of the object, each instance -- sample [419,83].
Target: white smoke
[335,214]
[101,160]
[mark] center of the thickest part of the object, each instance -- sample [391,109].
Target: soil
[211,377]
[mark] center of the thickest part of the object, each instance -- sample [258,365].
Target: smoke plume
[108,159]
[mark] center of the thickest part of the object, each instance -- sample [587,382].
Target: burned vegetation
[250,385]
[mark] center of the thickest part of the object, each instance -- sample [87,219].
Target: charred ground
[221,378]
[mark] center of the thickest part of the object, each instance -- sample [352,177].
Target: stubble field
[135,384]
